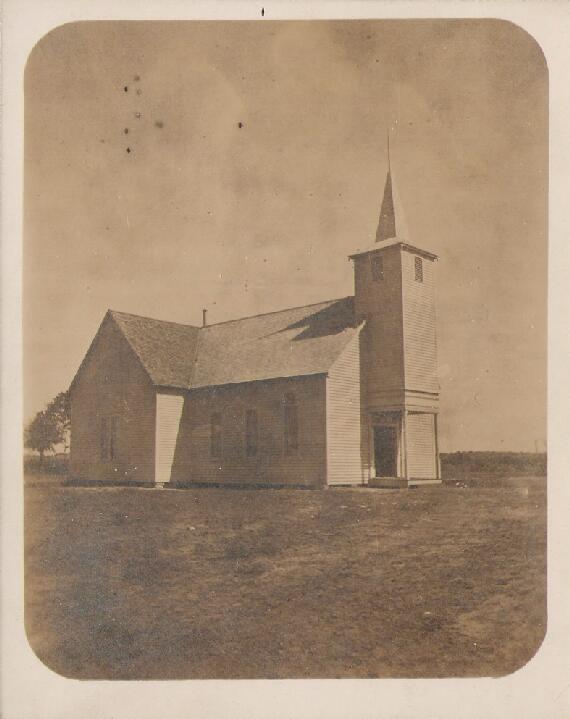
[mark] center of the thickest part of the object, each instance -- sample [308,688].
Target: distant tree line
[502,464]
[50,427]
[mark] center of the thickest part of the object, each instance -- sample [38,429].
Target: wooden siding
[168,415]
[380,303]
[420,346]
[305,465]
[344,430]
[112,384]
[399,348]
[421,446]
[422,401]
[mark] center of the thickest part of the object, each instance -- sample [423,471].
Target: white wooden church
[343,392]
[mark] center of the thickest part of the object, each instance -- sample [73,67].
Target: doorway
[385,451]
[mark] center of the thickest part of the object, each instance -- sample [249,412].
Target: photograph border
[30,690]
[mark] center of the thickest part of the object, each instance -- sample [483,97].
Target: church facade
[343,392]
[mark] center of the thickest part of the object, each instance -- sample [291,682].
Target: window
[251,435]
[108,439]
[104,440]
[113,439]
[291,428]
[377,266]
[419,269]
[216,434]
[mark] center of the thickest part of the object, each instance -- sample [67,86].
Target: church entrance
[385,450]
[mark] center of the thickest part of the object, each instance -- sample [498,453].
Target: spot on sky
[136,78]
[126,89]
[128,149]
[240,124]
[126,130]
[159,124]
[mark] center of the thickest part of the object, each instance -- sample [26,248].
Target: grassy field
[213,583]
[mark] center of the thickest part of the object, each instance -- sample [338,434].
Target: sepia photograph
[285,344]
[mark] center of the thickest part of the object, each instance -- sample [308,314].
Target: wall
[421,446]
[169,407]
[345,460]
[380,303]
[420,345]
[399,345]
[271,465]
[110,383]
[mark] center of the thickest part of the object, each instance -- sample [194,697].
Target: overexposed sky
[204,213]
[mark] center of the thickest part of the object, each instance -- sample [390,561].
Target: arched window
[291,425]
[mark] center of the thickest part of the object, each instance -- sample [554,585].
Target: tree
[43,433]
[50,426]
[59,409]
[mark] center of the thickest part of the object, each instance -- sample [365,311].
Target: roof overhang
[276,378]
[394,242]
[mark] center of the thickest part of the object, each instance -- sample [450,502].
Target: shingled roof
[166,349]
[289,343]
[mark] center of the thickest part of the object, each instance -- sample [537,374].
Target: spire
[391,223]
[387,223]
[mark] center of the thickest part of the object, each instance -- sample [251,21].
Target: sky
[235,166]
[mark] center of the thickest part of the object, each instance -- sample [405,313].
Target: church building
[342,392]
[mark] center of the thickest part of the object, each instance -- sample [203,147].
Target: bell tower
[395,295]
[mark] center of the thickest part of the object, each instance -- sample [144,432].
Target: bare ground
[218,583]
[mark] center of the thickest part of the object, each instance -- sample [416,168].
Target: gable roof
[299,341]
[288,343]
[165,349]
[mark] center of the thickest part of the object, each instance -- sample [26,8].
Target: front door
[385,451]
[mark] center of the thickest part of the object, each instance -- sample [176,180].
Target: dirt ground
[221,583]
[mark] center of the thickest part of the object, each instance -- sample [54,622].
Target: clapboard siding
[168,415]
[421,446]
[420,346]
[271,464]
[111,383]
[380,304]
[344,451]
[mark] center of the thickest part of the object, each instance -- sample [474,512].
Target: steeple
[387,223]
[391,223]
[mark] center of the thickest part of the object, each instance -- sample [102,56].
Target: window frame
[113,440]
[104,439]
[290,423]
[418,269]
[377,268]
[251,433]
[216,435]
[108,438]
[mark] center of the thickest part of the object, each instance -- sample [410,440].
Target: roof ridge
[275,312]
[153,319]
[225,322]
